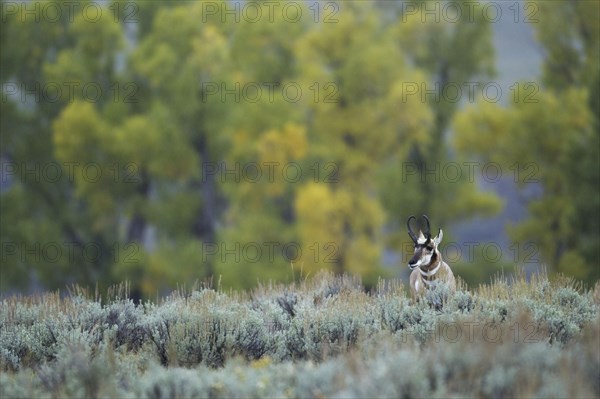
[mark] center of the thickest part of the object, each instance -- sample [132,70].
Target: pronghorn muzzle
[413,262]
[423,256]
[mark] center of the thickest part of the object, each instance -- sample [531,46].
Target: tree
[363,125]
[243,149]
[453,57]
[552,137]
[46,233]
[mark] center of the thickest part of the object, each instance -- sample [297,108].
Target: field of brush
[323,337]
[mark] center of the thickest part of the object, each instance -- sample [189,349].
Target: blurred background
[243,141]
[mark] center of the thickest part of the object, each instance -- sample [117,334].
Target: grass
[321,337]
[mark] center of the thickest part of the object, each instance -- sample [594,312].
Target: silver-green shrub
[324,337]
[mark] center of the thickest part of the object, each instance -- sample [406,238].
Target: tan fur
[444,274]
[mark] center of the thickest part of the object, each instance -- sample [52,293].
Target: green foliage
[557,134]
[325,336]
[452,54]
[159,130]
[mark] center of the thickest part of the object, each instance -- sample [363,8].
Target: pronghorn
[426,264]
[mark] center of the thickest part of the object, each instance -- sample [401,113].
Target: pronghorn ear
[421,238]
[438,238]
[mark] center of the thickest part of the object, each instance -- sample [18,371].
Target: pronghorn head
[426,251]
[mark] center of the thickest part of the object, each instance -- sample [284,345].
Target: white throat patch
[431,272]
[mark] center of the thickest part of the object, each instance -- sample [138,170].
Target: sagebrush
[323,337]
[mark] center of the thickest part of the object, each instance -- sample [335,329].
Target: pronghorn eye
[429,248]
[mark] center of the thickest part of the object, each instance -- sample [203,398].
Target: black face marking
[426,245]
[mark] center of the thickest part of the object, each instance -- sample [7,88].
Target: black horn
[428,232]
[410,231]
